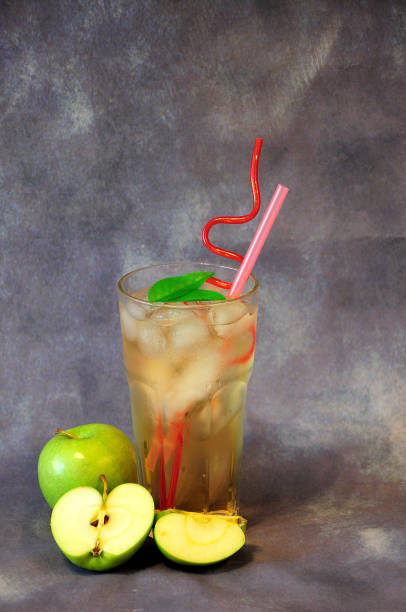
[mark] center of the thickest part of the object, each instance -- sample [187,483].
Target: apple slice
[193,538]
[99,532]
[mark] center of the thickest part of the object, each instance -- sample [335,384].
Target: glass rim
[180,304]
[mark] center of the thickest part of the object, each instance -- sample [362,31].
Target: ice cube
[225,316]
[145,404]
[209,420]
[196,381]
[199,375]
[136,310]
[228,312]
[170,316]
[226,403]
[239,371]
[187,334]
[149,336]
[176,403]
[158,373]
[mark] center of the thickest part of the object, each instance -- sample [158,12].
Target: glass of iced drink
[188,366]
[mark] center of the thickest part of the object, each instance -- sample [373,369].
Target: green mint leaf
[200,295]
[168,289]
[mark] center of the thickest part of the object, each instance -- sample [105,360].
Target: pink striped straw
[258,241]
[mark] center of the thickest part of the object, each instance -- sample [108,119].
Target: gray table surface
[124,127]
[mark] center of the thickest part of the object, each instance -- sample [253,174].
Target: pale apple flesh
[197,539]
[99,534]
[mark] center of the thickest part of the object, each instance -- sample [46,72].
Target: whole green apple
[76,457]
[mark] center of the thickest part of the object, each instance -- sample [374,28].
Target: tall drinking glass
[188,366]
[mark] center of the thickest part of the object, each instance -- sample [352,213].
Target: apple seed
[96,522]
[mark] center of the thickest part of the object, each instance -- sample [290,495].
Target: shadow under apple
[241,558]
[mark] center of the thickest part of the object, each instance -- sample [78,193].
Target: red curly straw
[157,448]
[242,219]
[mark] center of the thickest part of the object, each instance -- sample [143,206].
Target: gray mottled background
[124,127]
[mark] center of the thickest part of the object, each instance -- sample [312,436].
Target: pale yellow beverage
[188,366]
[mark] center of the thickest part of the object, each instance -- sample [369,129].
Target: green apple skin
[130,508]
[66,463]
[172,539]
[160,513]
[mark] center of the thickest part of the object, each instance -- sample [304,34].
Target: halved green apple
[99,532]
[193,538]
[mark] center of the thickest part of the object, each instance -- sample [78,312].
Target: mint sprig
[200,295]
[183,288]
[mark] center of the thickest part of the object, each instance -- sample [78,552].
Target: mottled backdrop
[124,126]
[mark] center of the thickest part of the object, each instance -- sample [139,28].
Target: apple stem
[102,476]
[65,433]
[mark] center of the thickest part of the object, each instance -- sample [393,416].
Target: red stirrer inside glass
[243,219]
